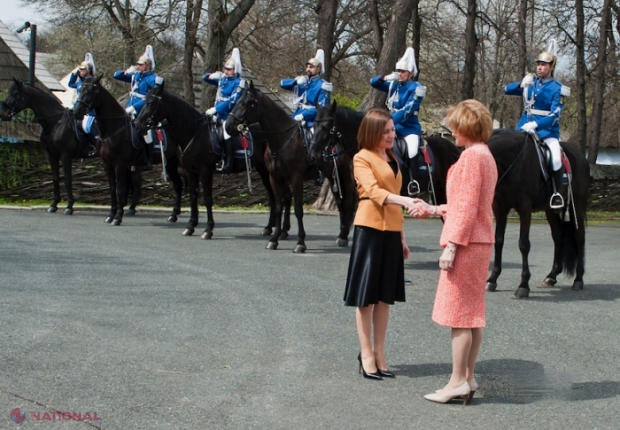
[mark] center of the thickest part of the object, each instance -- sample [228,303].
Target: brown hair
[371,128]
[471,119]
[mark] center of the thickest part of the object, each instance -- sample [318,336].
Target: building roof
[14,63]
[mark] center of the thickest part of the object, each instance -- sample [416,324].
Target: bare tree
[326,12]
[192,22]
[471,44]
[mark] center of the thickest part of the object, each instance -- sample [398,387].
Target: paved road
[152,330]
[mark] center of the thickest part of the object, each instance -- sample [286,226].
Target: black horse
[521,186]
[335,134]
[190,131]
[58,134]
[117,151]
[285,157]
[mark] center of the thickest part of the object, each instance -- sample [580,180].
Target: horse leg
[264,177]
[501,219]
[193,204]
[346,205]
[525,221]
[287,198]
[121,193]
[109,171]
[555,223]
[55,166]
[278,189]
[580,243]
[136,189]
[298,193]
[67,168]
[206,177]
[172,169]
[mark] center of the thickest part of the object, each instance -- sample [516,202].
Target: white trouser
[413,142]
[226,135]
[556,152]
[87,123]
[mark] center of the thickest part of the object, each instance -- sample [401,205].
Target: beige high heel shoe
[473,387]
[462,391]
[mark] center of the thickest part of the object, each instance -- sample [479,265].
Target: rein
[514,161]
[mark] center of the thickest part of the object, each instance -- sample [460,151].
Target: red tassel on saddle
[160,134]
[427,157]
[566,163]
[244,142]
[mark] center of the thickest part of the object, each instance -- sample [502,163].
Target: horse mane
[185,114]
[47,97]
[348,115]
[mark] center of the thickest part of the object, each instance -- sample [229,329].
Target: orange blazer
[375,180]
[470,190]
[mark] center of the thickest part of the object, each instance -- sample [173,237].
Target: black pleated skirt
[376,268]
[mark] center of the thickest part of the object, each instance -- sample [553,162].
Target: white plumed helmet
[234,62]
[318,60]
[148,57]
[407,62]
[550,55]
[89,63]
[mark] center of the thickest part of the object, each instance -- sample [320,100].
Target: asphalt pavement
[139,327]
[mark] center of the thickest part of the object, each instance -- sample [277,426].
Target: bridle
[242,126]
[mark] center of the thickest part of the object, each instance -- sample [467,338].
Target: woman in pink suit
[467,239]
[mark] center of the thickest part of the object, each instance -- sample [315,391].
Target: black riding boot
[413,188]
[560,190]
[229,155]
[150,151]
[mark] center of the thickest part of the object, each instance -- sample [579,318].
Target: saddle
[87,146]
[243,145]
[424,158]
[545,161]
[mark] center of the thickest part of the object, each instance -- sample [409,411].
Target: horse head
[246,111]
[16,101]
[89,96]
[325,133]
[153,112]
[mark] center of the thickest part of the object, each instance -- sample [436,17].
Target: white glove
[391,77]
[131,110]
[131,70]
[529,127]
[528,80]
[298,117]
[216,76]
[211,111]
[301,80]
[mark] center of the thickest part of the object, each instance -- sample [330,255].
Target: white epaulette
[327,86]
[420,91]
[565,91]
[241,86]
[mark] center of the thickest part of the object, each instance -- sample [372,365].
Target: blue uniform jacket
[315,93]
[403,104]
[76,82]
[547,105]
[229,91]
[141,83]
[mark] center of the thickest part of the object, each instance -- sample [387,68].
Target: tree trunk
[326,11]
[599,88]
[522,46]
[393,48]
[192,19]
[471,44]
[581,77]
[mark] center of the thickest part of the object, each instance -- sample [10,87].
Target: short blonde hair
[371,129]
[471,119]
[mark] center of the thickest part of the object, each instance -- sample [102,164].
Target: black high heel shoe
[374,376]
[385,373]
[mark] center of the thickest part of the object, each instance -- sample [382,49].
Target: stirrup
[413,188]
[558,198]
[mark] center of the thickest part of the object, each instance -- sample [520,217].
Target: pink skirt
[459,302]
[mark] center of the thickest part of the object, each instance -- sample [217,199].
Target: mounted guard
[230,85]
[87,127]
[142,78]
[543,99]
[404,97]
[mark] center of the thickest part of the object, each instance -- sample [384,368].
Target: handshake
[418,208]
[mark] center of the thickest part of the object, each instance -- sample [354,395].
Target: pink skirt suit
[470,188]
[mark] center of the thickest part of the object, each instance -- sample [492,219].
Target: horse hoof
[109,219]
[52,209]
[522,293]
[172,218]
[117,222]
[130,212]
[206,235]
[342,242]
[266,232]
[299,249]
[272,245]
[68,211]
[283,235]
[548,282]
[188,232]
[577,286]
[491,286]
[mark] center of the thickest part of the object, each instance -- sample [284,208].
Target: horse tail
[570,250]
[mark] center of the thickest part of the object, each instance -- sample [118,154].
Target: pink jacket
[470,190]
